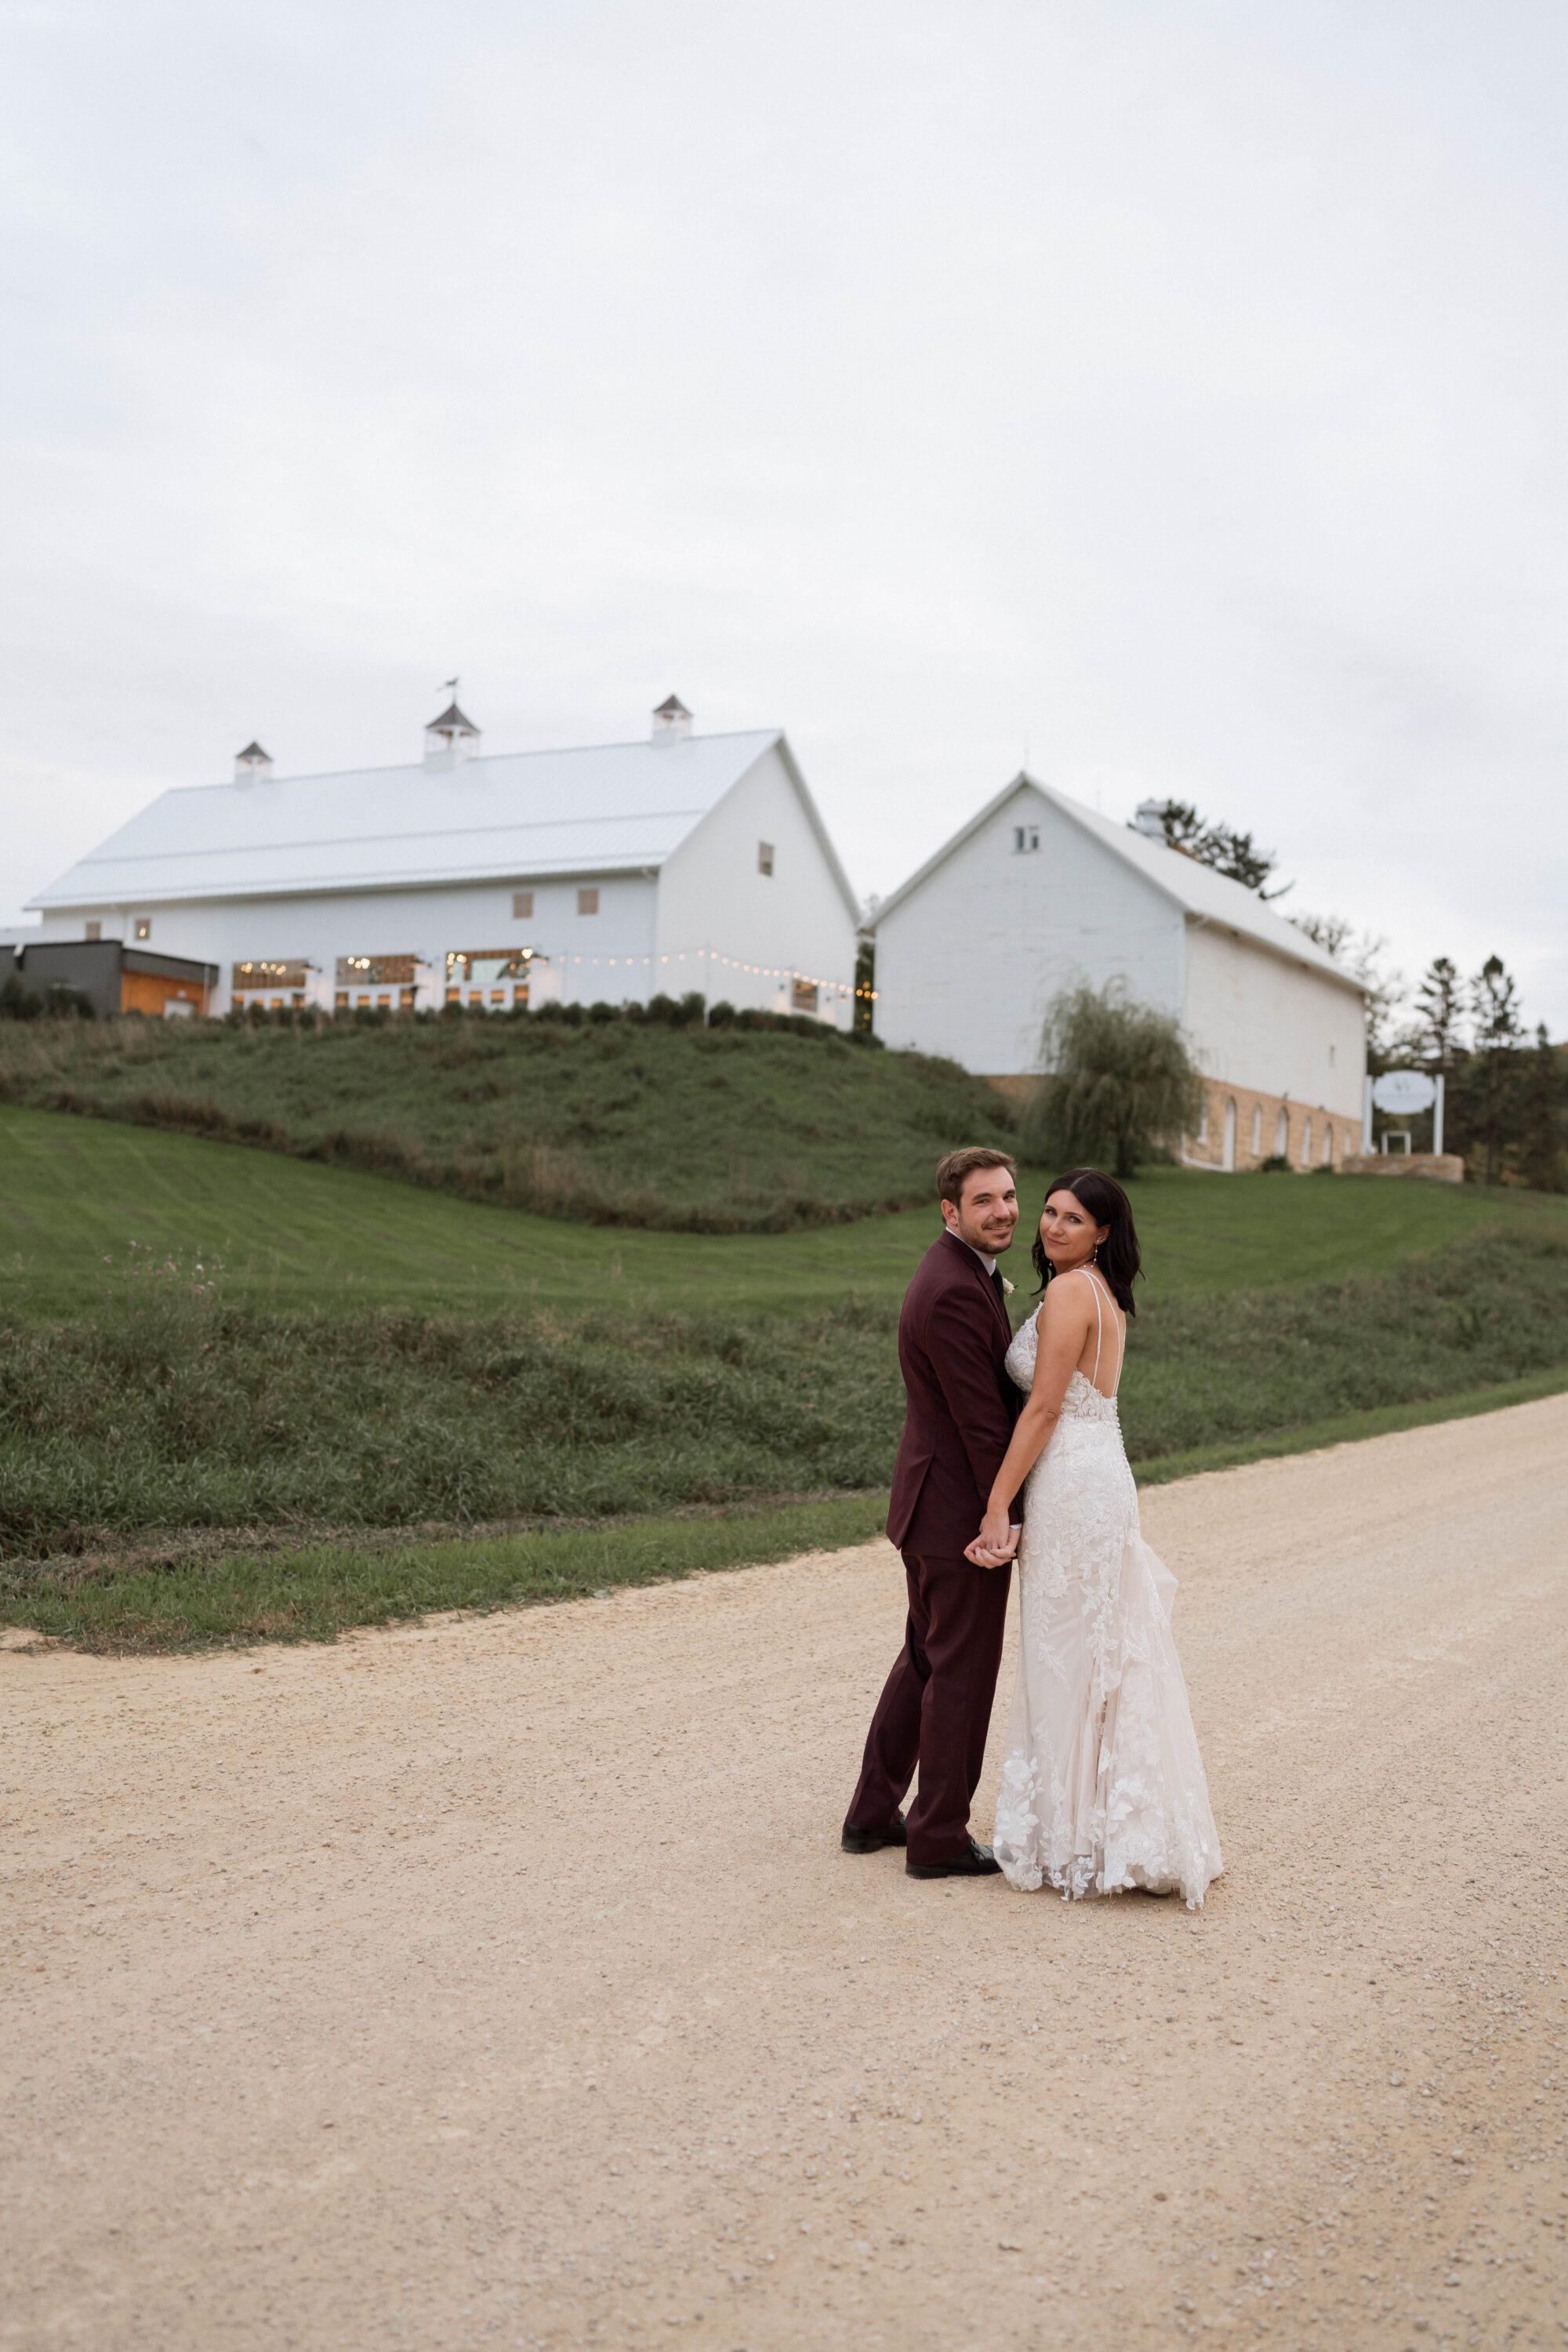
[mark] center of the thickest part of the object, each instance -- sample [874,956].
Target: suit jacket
[953,1337]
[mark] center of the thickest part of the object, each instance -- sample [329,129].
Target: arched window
[1256,1130]
[1307,1144]
[1227,1159]
[1327,1147]
[1282,1133]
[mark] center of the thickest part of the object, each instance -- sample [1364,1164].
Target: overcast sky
[1169,396]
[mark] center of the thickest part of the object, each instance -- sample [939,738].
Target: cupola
[671,720]
[450,739]
[253,765]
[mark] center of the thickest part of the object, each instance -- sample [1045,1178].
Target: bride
[1103,1787]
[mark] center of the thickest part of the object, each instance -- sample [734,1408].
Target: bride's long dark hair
[1117,1257]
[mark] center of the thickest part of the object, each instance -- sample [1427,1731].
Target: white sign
[1403,1091]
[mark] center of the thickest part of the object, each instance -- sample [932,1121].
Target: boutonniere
[1006,1286]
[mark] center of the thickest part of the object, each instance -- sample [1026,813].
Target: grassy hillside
[684,1129]
[75,1195]
[172,1407]
[195,1336]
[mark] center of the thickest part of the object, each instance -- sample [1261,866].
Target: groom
[953,1337]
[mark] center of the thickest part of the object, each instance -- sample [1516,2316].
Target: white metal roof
[1198,889]
[615,807]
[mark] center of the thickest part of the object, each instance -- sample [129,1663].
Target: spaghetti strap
[1095,1281]
[1098,1330]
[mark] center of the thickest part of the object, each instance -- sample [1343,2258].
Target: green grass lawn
[625,1123]
[75,1193]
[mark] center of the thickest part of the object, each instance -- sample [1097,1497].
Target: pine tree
[1440,1013]
[1494,1008]
[1234,855]
[1545,1092]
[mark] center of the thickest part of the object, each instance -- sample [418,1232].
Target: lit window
[144,927]
[486,967]
[1024,838]
[260,974]
[587,902]
[522,906]
[377,971]
[95,930]
[803,997]
[764,857]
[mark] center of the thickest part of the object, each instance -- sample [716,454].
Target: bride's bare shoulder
[1066,1304]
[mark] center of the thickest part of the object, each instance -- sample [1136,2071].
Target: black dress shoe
[978,1863]
[873,1841]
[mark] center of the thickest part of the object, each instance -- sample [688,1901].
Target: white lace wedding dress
[1103,1787]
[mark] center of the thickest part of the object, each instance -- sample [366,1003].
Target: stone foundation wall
[1267,1124]
[1441,1167]
[1298,1130]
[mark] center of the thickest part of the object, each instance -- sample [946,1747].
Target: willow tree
[1118,1080]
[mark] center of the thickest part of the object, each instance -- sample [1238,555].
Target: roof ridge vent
[671,720]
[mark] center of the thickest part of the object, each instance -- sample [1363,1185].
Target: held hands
[996,1542]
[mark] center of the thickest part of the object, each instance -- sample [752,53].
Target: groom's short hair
[953,1173]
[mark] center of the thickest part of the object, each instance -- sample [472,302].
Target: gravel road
[499,1981]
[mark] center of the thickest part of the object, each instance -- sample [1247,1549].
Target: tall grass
[173,1408]
[619,1122]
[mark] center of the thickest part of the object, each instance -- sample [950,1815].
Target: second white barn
[617,872]
[1037,894]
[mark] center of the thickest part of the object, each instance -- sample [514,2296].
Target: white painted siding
[607,955]
[1258,1021]
[967,963]
[743,933]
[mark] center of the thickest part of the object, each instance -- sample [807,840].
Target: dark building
[114,978]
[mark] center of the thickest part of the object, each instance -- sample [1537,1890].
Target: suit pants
[935,1707]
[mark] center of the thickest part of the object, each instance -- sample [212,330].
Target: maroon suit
[935,1708]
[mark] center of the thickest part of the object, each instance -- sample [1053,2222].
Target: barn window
[258,975]
[522,906]
[95,930]
[803,997]
[764,857]
[144,927]
[495,969]
[587,902]
[1024,838]
[377,971]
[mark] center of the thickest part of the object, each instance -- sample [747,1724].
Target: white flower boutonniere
[1006,1286]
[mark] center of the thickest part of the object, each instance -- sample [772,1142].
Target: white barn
[1037,894]
[618,872]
